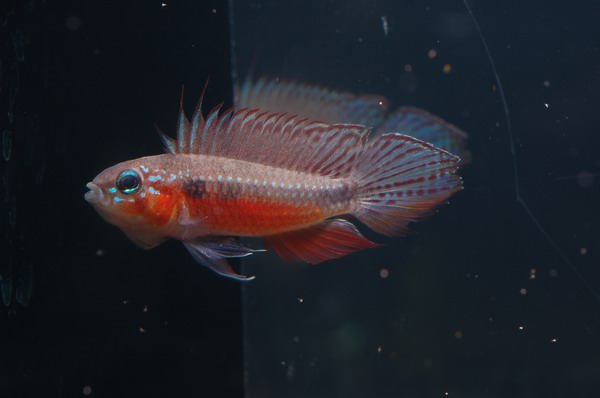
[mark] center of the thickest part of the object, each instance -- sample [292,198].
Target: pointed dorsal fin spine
[168,142]
[197,121]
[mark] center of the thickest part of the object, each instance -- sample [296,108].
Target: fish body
[291,181]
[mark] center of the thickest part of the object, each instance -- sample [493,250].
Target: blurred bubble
[546,83]
[583,251]
[6,144]
[585,179]
[431,54]
[73,23]
[384,273]
[87,390]
[523,291]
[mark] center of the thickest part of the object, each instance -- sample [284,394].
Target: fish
[298,184]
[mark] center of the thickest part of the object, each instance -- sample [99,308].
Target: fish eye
[128,181]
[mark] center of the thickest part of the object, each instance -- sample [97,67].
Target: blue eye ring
[128,182]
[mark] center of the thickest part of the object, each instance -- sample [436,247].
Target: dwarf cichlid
[289,180]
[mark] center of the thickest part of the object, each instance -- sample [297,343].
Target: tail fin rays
[401,180]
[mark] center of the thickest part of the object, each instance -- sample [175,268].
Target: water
[494,296]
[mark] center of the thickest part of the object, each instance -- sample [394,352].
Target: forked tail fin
[400,180]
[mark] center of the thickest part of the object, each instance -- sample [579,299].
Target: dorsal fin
[272,139]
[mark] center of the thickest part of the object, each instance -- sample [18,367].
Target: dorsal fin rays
[274,139]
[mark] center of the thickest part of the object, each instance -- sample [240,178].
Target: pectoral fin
[214,252]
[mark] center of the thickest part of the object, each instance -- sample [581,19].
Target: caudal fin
[400,180]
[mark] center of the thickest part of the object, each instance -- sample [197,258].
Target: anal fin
[325,241]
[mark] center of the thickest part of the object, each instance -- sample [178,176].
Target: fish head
[132,196]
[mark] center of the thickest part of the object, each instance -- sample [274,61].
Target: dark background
[81,85]
[84,83]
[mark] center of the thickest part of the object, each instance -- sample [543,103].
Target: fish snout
[95,194]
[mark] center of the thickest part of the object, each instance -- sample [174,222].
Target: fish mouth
[95,194]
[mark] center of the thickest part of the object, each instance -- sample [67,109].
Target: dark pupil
[128,182]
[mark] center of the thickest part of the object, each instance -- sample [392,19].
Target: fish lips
[95,195]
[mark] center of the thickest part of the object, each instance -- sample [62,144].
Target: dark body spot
[194,188]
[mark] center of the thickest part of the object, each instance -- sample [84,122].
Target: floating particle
[214,10]
[532,273]
[145,308]
[126,301]
[431,54]
[379,350]
[553,273]
[458,335]
[301,299]
[384,273]
[142,330]
[87,390]
[380,102]
[583,251]
[554,340]
[384,25]
[546,83]
[408,68]
[546,105]
[521,327]
[296,339]
[447,68]
[163,4]
[99,252]
[523,291]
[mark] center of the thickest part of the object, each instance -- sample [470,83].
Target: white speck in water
[521,327]
[384,273]
[300,299]
[126,301]
[142,330]
[99,252]
[523,291]
[547,105]
[87,390]
[554,340]
[214,10]
[384,25]
[145,308]
[379,350]
[546,83]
